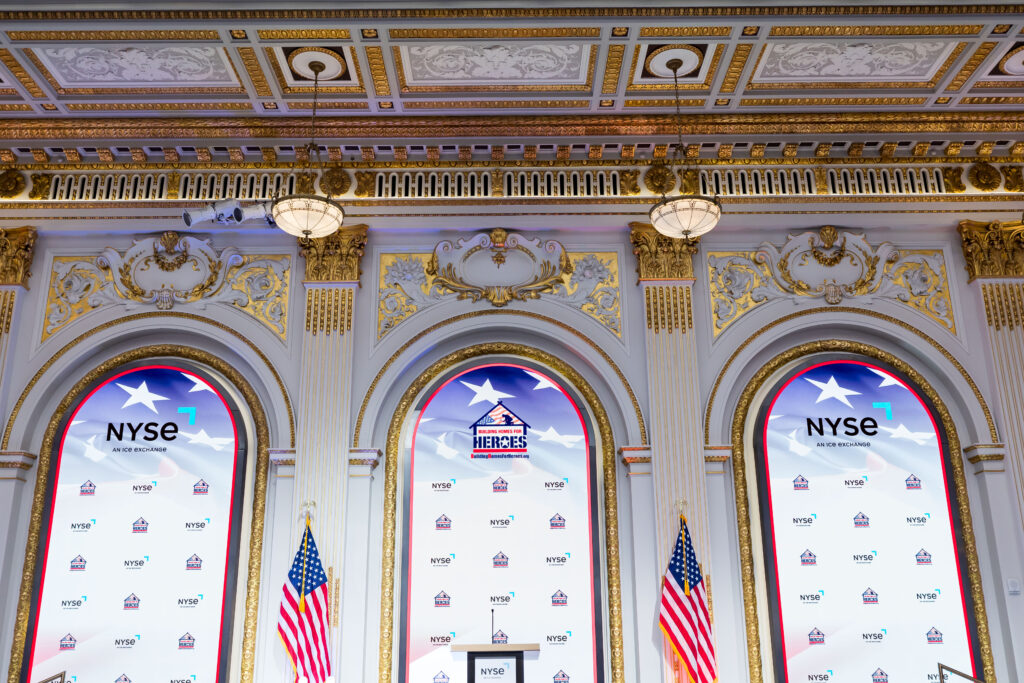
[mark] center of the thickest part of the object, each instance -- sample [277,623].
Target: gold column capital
[17,247]
[659,257]
[993,250]
[335,258]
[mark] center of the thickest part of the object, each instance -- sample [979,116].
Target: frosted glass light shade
[686,216]
[306,215]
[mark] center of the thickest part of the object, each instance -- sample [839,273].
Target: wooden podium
[495,651]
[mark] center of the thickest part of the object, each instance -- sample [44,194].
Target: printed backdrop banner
[136,554]
[869,584]
[500,518]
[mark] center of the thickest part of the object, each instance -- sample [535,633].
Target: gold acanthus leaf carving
[12,183]
[629,181]
[41,186]
[689,181]
[953,176]
[365,183]
[1013,181]
[335,258]
[17,246]
[984,176]
[992,249]
[659,257]
[335,182]
[659,179]
[304,182]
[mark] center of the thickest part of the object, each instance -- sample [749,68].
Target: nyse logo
[142,489]
[195,526]
[124,643]
[930,596]
[559,638]
[441,640]
[856,483]
[918,520]
[812,598]
[189,602]
[865,558]
[442,560]
[851,427]
[557,560]
[501,523]
[79,527]
[804,521]
[501,600]
[497,671]
[558,485]
[74,603]
[150,431]
[136,564]
[873,636]
[182,680]
[442,486]
[818,677]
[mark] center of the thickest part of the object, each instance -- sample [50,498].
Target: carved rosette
[659,179]
[17,246]
[335,182]
[992,250]
[12,183]
[659,257]
[984,176]
[335,258]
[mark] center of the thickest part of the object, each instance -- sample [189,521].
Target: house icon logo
[934,636]
[140,526]
[87,489]
[131,602]
[499,433]
[800,483]
[123,678]
[500,560]
[807,558]
[558,521]
[499,486]
[499,638]
[68,642]
[923,556]
[200,488]
[913,483]
[78,564]
[559,599]
[860,521]
[442,599]
[442,523]
[441,677]
[186,642]
[816,637]
[870,597]
[879,677]
[194,563]
[561,677]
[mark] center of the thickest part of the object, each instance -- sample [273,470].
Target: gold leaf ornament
[335,182]
[40,186]
[984,176]
[12,183]
[659,179]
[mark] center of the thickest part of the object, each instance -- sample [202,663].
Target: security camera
[193,216]
[253,212]
[226,210]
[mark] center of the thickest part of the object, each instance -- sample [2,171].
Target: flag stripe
[684,618]
[305,633]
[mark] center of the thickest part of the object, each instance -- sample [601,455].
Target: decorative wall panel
[832,265]
[165,270]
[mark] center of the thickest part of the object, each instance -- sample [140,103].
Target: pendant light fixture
[309,216]
[685,216]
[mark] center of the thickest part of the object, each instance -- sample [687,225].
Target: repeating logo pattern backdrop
[500,517]
[868,578]
[135,564]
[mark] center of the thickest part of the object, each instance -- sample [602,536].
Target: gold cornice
[113,35]
[515,126]
[17,247]
[251,581]
[659,257]
[19,72]
[493,33]
[335,258]
[821,30]
[993,250]
[304,34]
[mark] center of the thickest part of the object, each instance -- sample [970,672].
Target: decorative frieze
[829,264]
[498,267]
[335,258]
[167,270]
[993,250]
[659,257]
[17,247]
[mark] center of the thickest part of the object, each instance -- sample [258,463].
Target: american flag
[685,619]
[304,616]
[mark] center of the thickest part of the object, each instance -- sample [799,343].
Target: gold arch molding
[393,450]
[849,309]
[474,314]
[142,316]
[252,587]
[744,410]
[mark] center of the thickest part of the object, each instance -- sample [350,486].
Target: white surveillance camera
[226,210]
[252,212]
[204,213]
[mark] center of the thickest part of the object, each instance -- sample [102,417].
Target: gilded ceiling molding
[255,71]
[303,33]
[129,35]
[612,69]
[19,72]
[732,75]
[17,248]
[877,30]
[494,33]
[659,257]
[335,258]
[378,71]
[970,66]
[993,250]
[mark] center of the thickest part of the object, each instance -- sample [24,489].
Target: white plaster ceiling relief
[854,60]
[652,68]
[140,66]
[294,63]
[491,64]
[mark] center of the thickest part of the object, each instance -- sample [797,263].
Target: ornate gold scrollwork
[953,177]
[659,257]
[1013,181]
[366,182]
[628,181]
[304,182]
[992,249]
[41,186]
[17,246]
[984,176]
[335,258]
[12,183]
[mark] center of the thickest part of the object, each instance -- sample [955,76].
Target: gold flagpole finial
[306,508]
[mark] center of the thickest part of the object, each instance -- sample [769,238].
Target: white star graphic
[443,449]
[795,446]
[91,451]
[567,440]
[141,394]
[774,417]
[197,383]
[542,381]
[831,389]
[901,432]
[887,379]
[485,392]
[214,442]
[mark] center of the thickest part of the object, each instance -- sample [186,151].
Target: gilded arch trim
[739,423]
[849,309]
[393,449]
[252,587]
